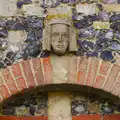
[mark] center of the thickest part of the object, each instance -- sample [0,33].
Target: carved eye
[55,34]
[65,35]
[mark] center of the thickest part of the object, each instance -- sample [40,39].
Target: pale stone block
[64,68]
[37,1]
[87,9]
[112,8]
[59,106]
[33,9]
[60,11]
[17,36]
[49,2]
[101,25]
[60,66]
[8,7]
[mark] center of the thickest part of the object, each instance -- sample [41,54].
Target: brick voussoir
[16,70]
[81,77]
[37,72]
[4,91]
[10,81]
[2,80]
[112,77]
[18,76]
[83,63]
[28,73]
[72,70]
[104,67]
[92,73]
[48,72]
[116,89]
[99,81]
[82,70]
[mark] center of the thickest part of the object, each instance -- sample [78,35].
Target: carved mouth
[59,46]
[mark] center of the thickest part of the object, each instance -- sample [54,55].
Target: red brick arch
[91,72]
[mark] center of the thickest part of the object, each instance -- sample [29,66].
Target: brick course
[28,73]
[99,81]
[92,72]
[10,81]
[112,77]
[37,68]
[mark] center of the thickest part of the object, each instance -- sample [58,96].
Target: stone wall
[22,24]
[25,65]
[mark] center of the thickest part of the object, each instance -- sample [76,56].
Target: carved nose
[60,38]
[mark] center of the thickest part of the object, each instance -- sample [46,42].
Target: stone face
[8,7]
[59,36]
[59,42]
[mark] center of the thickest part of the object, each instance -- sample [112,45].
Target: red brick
[119,78]
[4,91]
[73,70]
[104,67]
[34,118]
[83,63]
[28,74]
[92,72]
[10,81]
[81,77]
[112,77]
[38,71]
[87,117]
[16,70]
[1,80]
[24,118]
[99,81]
[111,117]
[47,70]
[21,83]
[1,99]
[116,89]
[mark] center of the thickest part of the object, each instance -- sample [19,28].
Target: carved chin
[59,52]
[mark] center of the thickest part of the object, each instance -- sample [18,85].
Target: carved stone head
[59,37]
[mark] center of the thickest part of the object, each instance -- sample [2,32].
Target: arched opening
[87,103]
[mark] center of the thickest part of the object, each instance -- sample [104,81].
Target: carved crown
[58,18]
